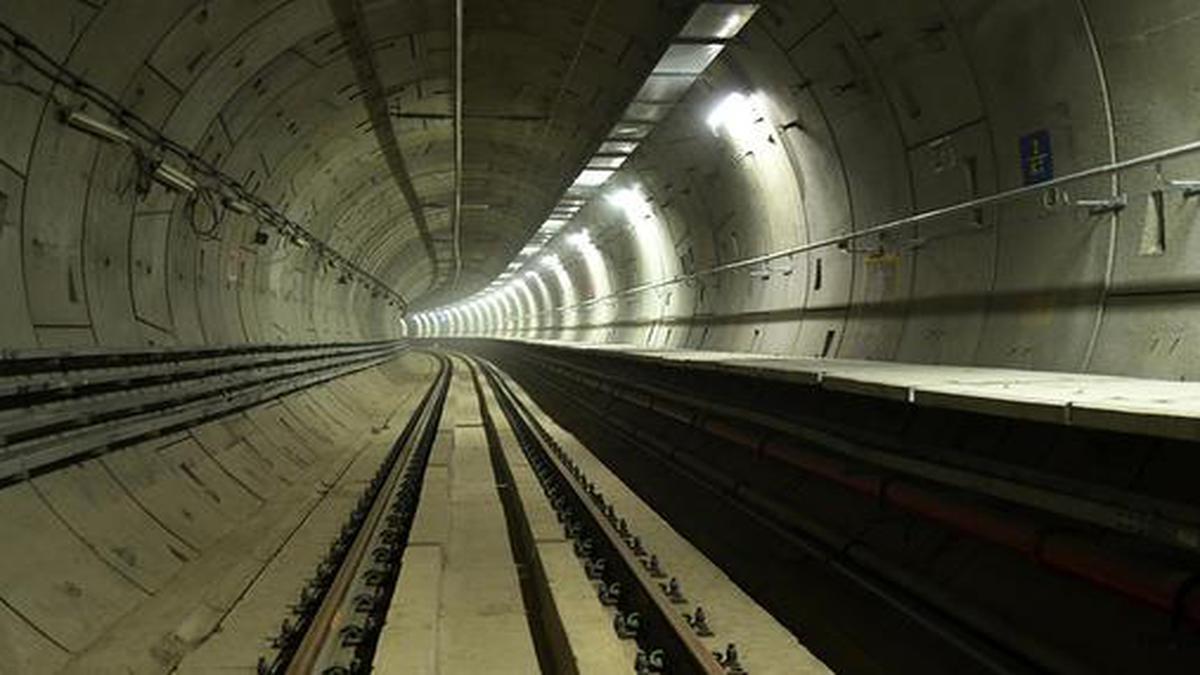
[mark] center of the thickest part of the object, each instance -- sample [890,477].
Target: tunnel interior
[886,307]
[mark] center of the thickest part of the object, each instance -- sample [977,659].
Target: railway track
[337,615]
[891,524]
[337,623]
[59,409]
[853,564]
[612,554]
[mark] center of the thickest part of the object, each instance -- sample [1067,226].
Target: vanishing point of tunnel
[588,337]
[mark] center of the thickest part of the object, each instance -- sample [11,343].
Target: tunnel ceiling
[542,83]
[271,94]
[836,214]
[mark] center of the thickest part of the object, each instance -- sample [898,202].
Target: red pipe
[1155,584]
[674,411]
[732,431]
[1002,529]
[1163,587]
[825,467]
[1166,588]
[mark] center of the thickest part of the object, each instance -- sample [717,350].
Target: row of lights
[701,40]
[627,199]
[736,114]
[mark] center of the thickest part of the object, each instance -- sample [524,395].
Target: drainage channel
[966,634]
[627,578]
[546,626]
[336,619]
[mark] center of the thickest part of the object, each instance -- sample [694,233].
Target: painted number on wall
[1037,157]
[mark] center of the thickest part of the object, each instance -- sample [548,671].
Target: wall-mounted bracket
[765,271]
[846,247]
[1100,207]
[1188,188]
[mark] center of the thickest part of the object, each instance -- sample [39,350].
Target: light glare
[736,113]
[579,240]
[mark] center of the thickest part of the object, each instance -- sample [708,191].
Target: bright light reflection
[736,113]
[544,296]
[529,306]
[580,240]
[570,317]
[630,201]
[653,261]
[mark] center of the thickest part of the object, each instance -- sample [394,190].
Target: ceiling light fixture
[93,126]
[580,240]
[593,177]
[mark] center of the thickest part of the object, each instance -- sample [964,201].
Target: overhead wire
[25,50]
[456,222]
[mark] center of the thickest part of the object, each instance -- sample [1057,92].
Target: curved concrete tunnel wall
[164,536]
[89,262]
[871,110]
[94,254]
[874,110]
[267,93]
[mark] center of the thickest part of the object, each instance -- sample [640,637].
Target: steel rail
[324,638]
[317,651]
[547,628]
[977,635]
[62,432]
[662,626]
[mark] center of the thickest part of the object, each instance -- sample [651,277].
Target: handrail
[890,225]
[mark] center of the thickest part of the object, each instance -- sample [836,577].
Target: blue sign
[1037,157]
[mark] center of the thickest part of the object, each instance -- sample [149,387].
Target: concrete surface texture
[130,560]
[267,92]
[767,645]
[865,111]
[819,118]
[1163,408]
[458,606]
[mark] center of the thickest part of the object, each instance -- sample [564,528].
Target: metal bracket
[845,247]
[1100,207]
[765,271]
[1189,188]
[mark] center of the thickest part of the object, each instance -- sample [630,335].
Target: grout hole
[829,335]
